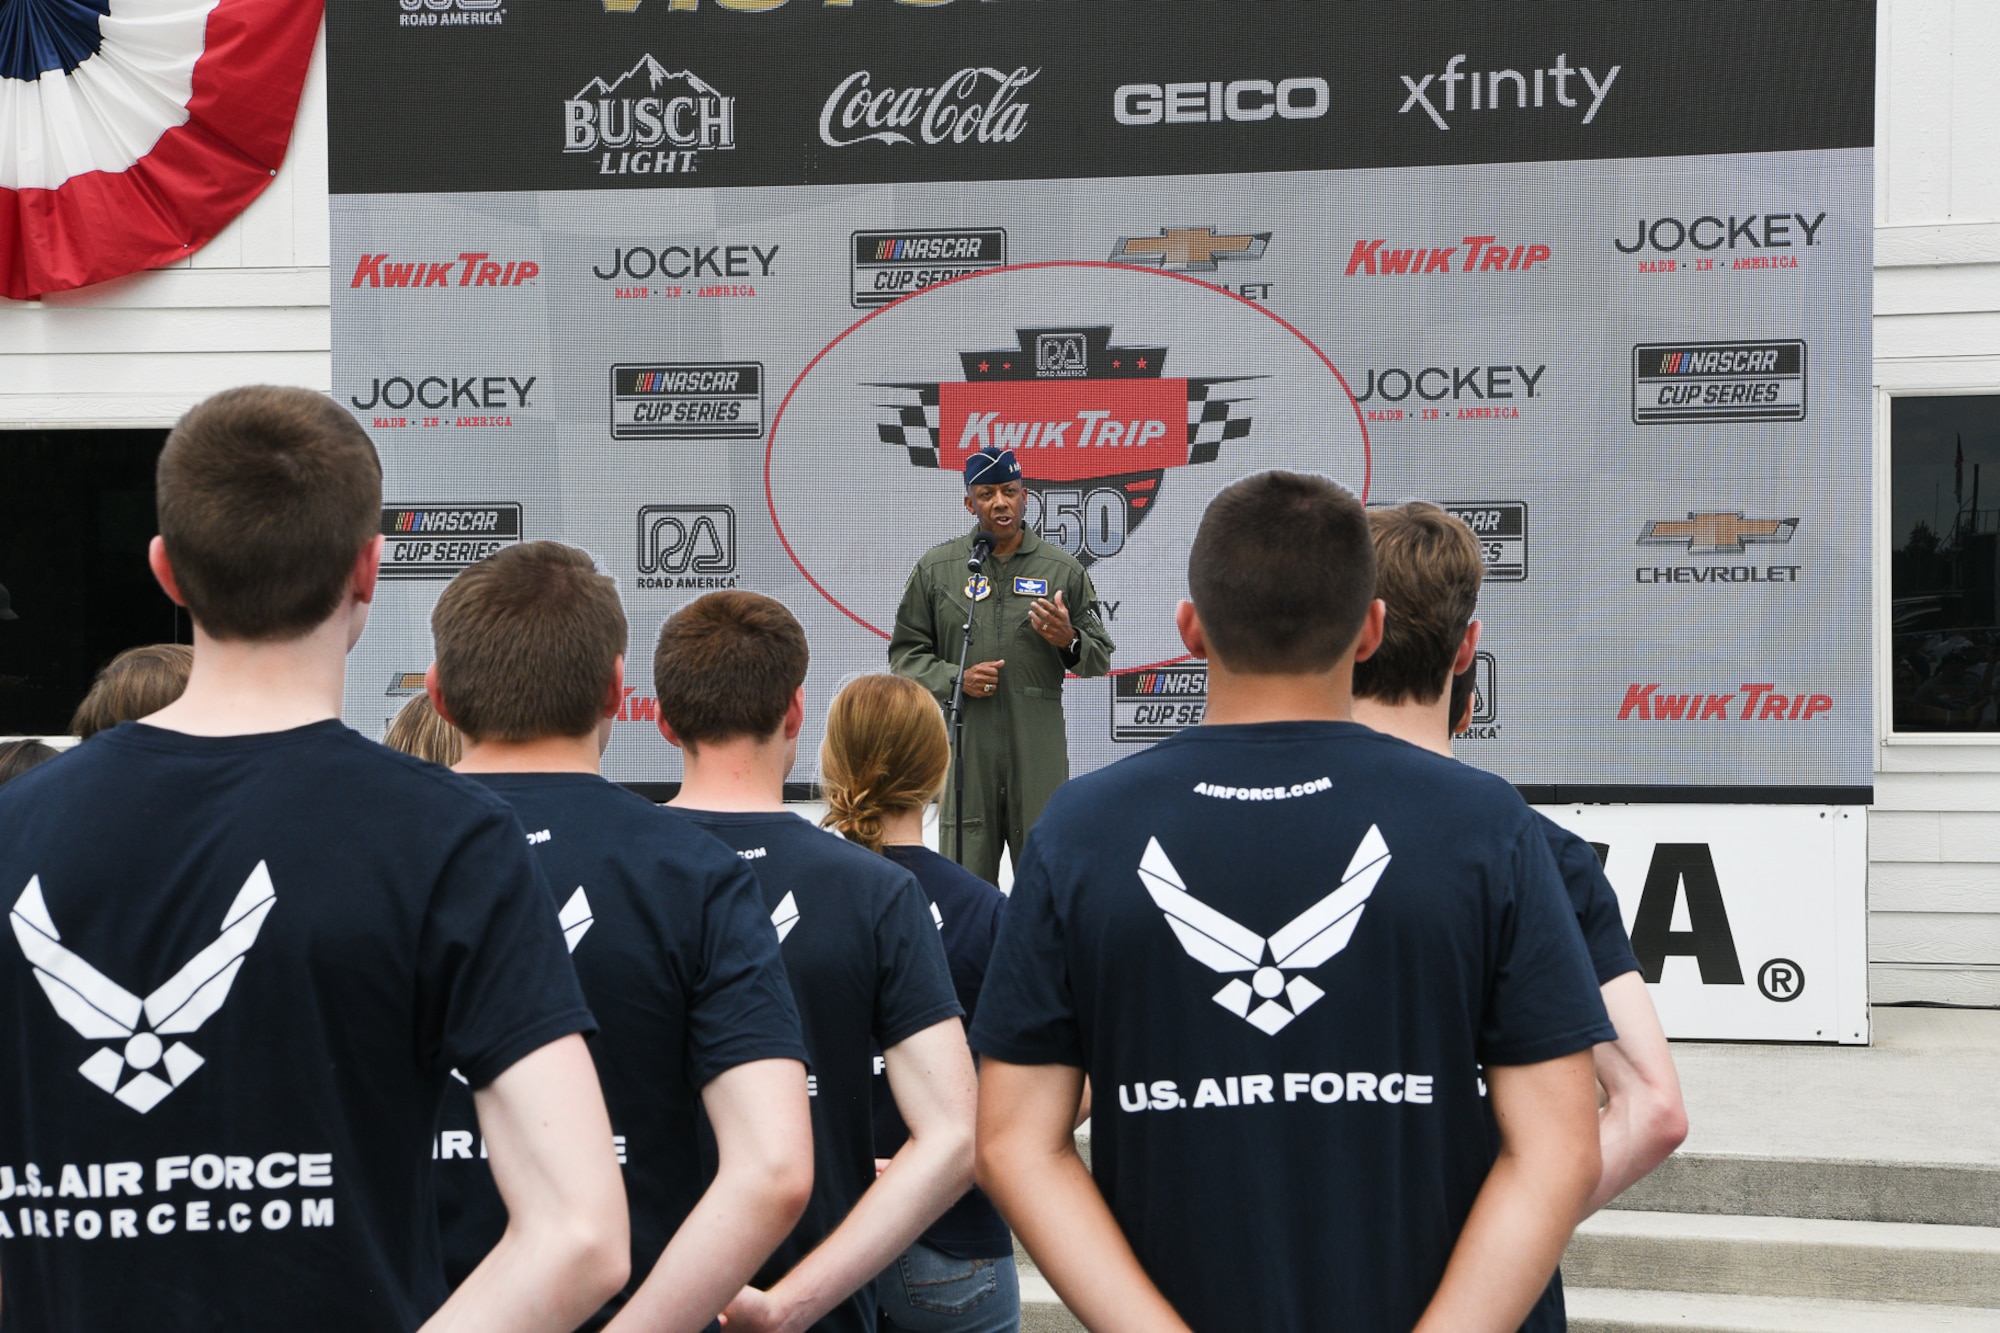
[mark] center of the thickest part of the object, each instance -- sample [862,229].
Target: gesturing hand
[982,680]
[1051,620]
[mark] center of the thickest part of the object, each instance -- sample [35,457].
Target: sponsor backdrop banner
[725,291]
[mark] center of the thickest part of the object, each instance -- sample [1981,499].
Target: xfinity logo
[101,1010]
[474,268]
[1207,103]
[1308,940]
[677,117]
[1758,231]
[1491,90]
[977,103]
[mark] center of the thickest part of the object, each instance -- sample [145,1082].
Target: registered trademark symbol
[1781,980]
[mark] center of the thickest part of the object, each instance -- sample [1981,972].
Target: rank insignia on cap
[1031,587]
[978,587]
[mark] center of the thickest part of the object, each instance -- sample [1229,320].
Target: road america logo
[1270,1000]
[102,1010]
[1097,427]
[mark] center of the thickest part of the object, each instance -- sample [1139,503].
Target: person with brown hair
[882,765]
[250,987]
[669,936]
[22,756]
[1281,946]
[137,683]
[418,730]
[1428,572]
[860,949]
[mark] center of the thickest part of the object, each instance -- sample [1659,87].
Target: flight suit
[1016,750]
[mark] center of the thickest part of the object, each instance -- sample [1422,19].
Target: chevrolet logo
[405,682]
[1717,533]
[1188,249]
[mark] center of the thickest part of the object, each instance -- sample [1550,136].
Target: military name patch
[1031,587]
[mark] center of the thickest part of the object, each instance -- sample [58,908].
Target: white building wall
[252,307]
[249,307]
[1934,834]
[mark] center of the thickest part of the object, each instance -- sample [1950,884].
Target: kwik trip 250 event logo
[1119,433]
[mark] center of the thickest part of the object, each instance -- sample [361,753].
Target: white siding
[1934,835]
[249,307]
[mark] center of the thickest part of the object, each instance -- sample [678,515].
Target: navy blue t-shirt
[240,969]
[679,962]
[967,911]
[867,970]
[1281,953]
[1596,903]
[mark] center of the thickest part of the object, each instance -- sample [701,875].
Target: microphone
[982,546]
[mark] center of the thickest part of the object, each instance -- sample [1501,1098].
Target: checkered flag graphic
[1211,421]
[911,420]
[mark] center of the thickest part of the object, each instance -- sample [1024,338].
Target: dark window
[76,514]
[1944,500]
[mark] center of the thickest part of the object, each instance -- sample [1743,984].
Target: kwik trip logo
[978,104]
[472,268]
[649,121]
[1097,428]
[1724,532]
[1761,703]
[1483,254]
[438,541]
[1508,90]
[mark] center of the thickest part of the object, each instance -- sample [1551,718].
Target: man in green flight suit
[1034,616]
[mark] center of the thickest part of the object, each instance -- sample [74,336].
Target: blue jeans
[927,1291]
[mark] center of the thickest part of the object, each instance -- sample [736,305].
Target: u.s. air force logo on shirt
[978,587]
[1270,999]
[102,1010]
[785,915]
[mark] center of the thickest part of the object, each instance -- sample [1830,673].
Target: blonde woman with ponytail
[882,765]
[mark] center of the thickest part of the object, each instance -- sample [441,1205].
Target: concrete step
[1596,1310]
[1851,1189]
[1802,1258]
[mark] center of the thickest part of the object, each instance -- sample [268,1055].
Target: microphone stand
[977,566]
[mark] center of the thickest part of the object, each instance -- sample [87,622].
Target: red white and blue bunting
[132,131]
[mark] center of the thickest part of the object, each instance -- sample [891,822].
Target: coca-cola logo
[974,104]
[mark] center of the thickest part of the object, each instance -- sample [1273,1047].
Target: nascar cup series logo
[1130,396]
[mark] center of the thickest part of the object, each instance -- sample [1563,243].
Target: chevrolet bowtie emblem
[1188,249]
[1718,533]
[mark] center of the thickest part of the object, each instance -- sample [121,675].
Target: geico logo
[1761,703]
[1094,430]
[437,391]
[681,261]
[701,410]
[1435,382]
[1714,233]
[1482,255]
[373,270]
[1238,99]
[1496,84]
[975,103]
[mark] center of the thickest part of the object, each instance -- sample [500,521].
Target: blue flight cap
[991,467]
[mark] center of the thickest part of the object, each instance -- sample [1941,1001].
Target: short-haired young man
[862,953]
[1281,945]
[249,944]
[670,939]
[1427,573]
